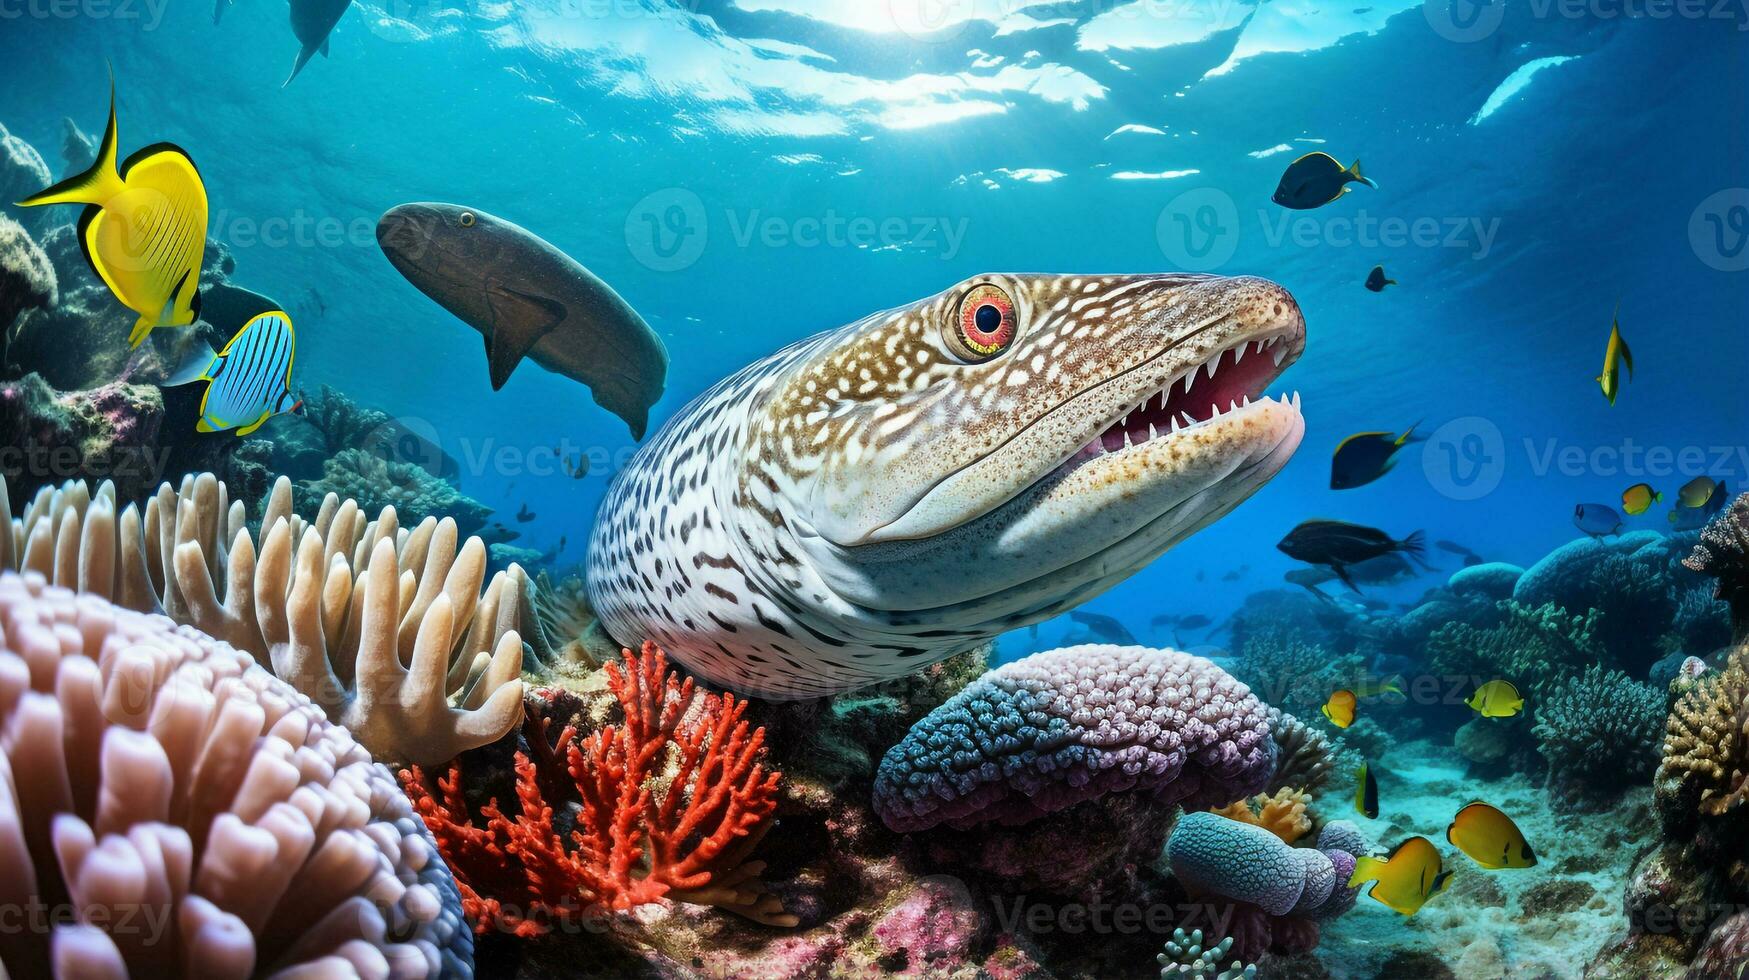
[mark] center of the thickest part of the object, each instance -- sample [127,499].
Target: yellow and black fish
[1315,180]
[143,230]
[1365,456]
[1496,699]
[1406,879]
[1696,492]
[249,381]
[1637,498]
[1615,355]
[1366,792]
[1490,838]
[1340,708]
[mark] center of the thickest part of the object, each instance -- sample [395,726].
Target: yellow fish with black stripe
[1490,838]
[1496,699]
[143,229]
[1412,874]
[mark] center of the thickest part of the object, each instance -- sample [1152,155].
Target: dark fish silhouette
[1339,545]
[1597,520]
[528,299]
[1376,281]
[1386,569]
[524,515]
[311,21]
[1105,627]
[1315,180]
[1695,518]
[1365,456]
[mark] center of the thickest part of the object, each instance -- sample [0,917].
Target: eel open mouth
[1220,385]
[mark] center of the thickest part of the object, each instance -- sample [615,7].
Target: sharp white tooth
[1210,367]
[1126,438]
[1175,425]
[1247,402]
[1280,352]
[1189,380]
[1188,421]
[1239,353]
[1152,434]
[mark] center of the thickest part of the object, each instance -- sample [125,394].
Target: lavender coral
[1215,855]
[1064,726]
[194,816]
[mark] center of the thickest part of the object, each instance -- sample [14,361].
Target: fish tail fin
[97,184]
[143,328]
[1409,436]
[304,57]
[197,365]
[1354,171]
[1390,282]
[1414,544]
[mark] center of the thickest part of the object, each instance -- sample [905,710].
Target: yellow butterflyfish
[143,229]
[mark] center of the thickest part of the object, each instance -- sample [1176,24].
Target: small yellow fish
[1340,709]
[1615,354]
[1696,492]
[1366,792]
[1490,838]
[1412,874]
[1496,699]
[1373,687]
[1637,498]
[143,230]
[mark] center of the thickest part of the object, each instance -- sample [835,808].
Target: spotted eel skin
[885,495]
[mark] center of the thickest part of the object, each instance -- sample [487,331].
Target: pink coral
[170,808]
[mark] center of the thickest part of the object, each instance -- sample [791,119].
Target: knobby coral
[1282,813]
[1706,746]
[1723,553]
[174,810]
[1186,958]
[1057,728]
[1304,756]
[672,804]
[1214,855]
[1600,729]
[334,606]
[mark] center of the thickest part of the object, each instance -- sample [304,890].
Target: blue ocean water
[748,172]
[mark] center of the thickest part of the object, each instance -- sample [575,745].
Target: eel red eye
[986,324]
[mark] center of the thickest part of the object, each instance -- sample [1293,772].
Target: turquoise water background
[747,173]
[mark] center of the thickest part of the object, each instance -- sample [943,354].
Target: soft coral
[636,841]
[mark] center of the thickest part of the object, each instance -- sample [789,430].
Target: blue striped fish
[249,381]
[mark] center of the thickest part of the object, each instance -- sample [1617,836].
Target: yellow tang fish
[1496,699]
[1366,792]
[1340,709]
[1637,498]
[1412,874]
[1615,354]
[144,230]
[1490,838]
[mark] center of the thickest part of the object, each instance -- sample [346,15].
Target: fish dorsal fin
[519,320]
[98,183]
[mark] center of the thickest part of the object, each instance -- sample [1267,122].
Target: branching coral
[335,607]
[1064,726]
[174,810]
[1185,958]
[1304,755]
[377,483]
[1287,670]
[1706,745]
[673,802]
[1723,554]
[343,423]
[1282,813]
[1533,647]
[1600,729]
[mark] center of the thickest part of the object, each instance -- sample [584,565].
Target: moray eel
[888,494]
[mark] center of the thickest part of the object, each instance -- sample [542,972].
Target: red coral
[673,802]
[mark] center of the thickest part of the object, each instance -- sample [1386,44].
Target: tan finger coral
[171,809]
[1706,745]
[334,605]
[1282,813]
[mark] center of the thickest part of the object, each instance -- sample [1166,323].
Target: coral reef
[22,173]
[1282,813]
[376,483]
[1600,728]
[152,774]
[1290,671]
[562,605]
[1722,554]
[1185,958]
[687,840]
[1065,726]
[27,282]
[1304,756]
[1626,584]
[385,628]
[1492,580]
[1533,647]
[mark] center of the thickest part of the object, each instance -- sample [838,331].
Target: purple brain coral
[1060,727]
[168,808]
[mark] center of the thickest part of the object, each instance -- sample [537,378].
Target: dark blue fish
[1366,456]
[1315,180]
[1376,281]
[1337,545]
[1597,520]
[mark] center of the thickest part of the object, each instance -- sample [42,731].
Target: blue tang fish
[1597,520]
[249,381]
